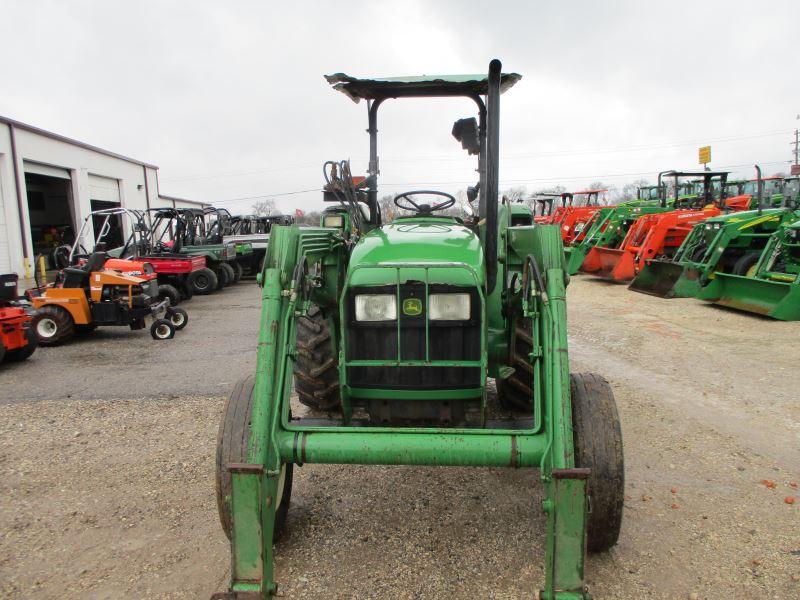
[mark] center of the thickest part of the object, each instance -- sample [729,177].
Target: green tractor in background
[771,286]
[730,243]
[395,331]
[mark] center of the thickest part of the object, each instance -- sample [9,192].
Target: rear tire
[597,438]
[203,281]
[166,290]
[316,368]
[745,263]
[20,354]
[516,392]
[224,275]
[186,290]
[234,433]
[53,325]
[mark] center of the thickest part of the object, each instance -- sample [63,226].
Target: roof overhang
[417,86]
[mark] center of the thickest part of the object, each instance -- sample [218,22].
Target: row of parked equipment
[169,255]
[694,234]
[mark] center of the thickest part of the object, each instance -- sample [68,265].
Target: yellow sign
[705,155]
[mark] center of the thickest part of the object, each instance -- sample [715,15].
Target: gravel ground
[106,470]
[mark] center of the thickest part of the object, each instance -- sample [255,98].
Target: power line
[504,181]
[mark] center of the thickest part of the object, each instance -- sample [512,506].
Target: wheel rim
[162,331]
[751,271]
[201,281]
[46,328]
[178,319]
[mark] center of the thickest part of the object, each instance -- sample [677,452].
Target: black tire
[699,253]
[598,446]
[232,438]
[516,392]
[223,277]
[316,367]
[2,352]
[229,272]
[238,271]
[162,329]
[52,325]
[203,281]
[166,290]
[186,290]
[20,354]
[178,317]
[745,262]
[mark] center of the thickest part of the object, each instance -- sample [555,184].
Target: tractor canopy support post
[491,190]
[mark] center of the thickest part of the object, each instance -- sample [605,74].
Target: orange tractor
[660,234]
[17,341]
[86,296]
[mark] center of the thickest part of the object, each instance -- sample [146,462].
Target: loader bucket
[658,278]
[776,299]
[611,263]
[575,259]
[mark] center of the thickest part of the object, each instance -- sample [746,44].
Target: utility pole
[796,144]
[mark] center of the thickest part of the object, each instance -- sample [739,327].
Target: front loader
[394,331]
[728,243]
[658,234]
[771,285]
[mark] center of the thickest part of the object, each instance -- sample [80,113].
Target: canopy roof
[419,85]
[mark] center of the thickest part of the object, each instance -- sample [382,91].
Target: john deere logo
[412,307]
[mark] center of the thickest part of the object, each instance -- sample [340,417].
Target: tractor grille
[448,340]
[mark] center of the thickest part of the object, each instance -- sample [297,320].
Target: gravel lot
[106,470]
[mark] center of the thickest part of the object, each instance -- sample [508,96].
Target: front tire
[224,275]
[597,438]
[745,266]
[162,329]
[516,392]
[316,369]
[238,271]
[232,439]
[178,317]
[53,325]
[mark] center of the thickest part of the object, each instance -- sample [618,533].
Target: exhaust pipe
[492,172]
[760,188]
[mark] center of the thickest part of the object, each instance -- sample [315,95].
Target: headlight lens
[376,307]
[333,221]
[448,307]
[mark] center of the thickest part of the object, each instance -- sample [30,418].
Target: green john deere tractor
[730,243]
[396,330]
[771,285]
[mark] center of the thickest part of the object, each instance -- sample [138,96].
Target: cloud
[228,98]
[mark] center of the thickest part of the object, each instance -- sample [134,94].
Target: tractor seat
[76,277]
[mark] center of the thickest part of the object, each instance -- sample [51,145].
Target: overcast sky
[228,99]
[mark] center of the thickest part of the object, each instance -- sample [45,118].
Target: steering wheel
[405,202]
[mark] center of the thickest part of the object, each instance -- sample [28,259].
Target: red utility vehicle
[17,340]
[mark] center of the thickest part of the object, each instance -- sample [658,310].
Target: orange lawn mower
[657,235]
[90,295]
[17,340]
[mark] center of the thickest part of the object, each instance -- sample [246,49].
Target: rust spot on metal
[514,457]
[247,468]
[577,473]
[303,448]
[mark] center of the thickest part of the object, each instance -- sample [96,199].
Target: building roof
[66,140]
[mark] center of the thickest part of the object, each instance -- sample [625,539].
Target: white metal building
[50,183]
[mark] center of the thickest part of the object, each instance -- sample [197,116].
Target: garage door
[47,170]
[103,188]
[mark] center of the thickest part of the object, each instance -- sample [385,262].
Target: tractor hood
[418,240]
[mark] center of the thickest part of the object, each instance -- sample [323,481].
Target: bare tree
[264,208]
[629,190]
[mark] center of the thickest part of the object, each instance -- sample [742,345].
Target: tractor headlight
[333,221]
[448,307]
[376,307]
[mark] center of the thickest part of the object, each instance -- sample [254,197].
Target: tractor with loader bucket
[771,285]
[572,218]
[657,234]
[729,243]
[394,331]
[608,226]
[543,207]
